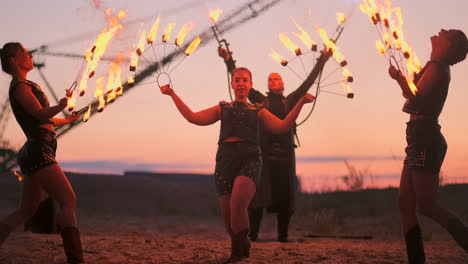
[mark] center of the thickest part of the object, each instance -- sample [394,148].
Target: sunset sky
[144,131]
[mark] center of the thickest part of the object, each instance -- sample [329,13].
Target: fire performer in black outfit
[238,160]
[275,191]
[426,147]
[37,157]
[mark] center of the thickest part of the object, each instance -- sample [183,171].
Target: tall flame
[289,44]
[141,43]
[183,32]
[87,114]
[277,57]
[71,101]
[99,94]
[331,46]
[167,32]
[93,55]
[411,85]
[154,31]
[214,14]
[193,46]
[305,38]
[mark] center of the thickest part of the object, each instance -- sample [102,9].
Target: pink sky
[144,126]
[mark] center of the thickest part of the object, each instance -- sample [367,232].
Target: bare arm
[69,119]
[278,126]
[431,76]
[294,97]
[23,93]
[202,118]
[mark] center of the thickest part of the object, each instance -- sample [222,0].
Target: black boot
[72,245]
[283,219]
[415,246]
[240,247]
[255,218]
[459,232]
[5,231]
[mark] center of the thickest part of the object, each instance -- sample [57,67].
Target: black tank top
[429,102]
[239,119]
[28,123]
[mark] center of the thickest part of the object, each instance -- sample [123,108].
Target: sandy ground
[143,233]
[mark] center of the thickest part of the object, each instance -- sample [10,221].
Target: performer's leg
[407,205]
[426,186]
[255,218]
[55,183]
[31,197]
[283,218]
[242,193]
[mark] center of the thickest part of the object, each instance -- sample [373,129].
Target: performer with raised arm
[426,147]
[276,188]
[238,160]
[37,157]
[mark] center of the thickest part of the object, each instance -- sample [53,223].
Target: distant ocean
[315,174]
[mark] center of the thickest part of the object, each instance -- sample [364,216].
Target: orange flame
[93,55]
[277,57]
[114,83]
[380,47]
[154,31]
[193,46]
[167,32]
[87,114]
[341,18]
[183,32]
[214,14]
[141,44]
[71,101]
[347,74]
[331,46]
[99,94]
[20,177]
[349,92]
[131,79]
[411,85]
[305,38]
[289,44]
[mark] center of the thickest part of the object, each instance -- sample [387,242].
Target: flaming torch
[389,24]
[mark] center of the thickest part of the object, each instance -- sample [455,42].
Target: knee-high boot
[72,244]
[283,219]
[240,247]
[5,231]
[415,246]
[459,232]
[255,218]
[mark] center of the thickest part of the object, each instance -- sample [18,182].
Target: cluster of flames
[330,46]
[389,23]
[149,38]
[93,55]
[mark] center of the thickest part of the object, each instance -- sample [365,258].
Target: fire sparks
[191,48]
[391,32]
[167,32]
[17,174]
[214,14]
[183,32]
[305,38]
[275,55]
[154,31]
[289,44]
